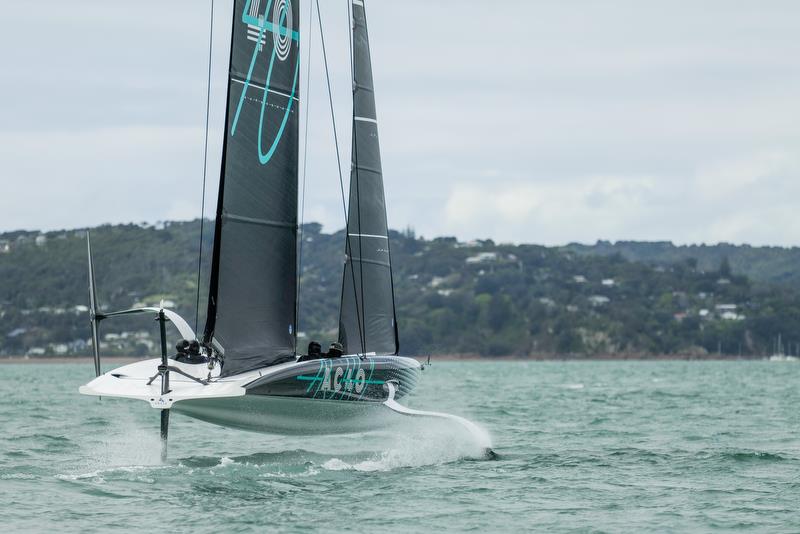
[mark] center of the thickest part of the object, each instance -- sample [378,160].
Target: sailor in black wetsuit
[314,352]
[189,352]
[335,350]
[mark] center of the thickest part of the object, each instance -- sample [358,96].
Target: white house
[436,281]
[482,257]
[731,316]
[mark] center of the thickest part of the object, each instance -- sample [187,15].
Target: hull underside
[290,416]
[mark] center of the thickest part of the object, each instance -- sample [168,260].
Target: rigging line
[354,171]
[303,187]
[205,169]
[348,252]
[360,244]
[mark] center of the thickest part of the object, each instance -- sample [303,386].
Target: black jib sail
[251,308]
[367,317]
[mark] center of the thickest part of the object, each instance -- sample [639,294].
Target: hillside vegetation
[477,298]
[776,266]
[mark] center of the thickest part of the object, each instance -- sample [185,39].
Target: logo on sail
[282,26]
[254,30]
[277,18]
[281,32]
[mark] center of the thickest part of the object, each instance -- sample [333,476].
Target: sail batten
[367,321]
[252,298]
[252,220]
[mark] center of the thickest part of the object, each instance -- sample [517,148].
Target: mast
[367,319]
[252,295]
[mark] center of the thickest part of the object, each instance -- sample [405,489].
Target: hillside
[452,297]
[776,266]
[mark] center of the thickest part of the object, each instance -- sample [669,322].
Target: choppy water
[599,446]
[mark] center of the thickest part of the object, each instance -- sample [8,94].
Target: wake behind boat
[246,370]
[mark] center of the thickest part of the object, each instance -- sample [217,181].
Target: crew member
[335,350]
[314,352]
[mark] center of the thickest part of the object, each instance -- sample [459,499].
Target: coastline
[124,360]
[25,360]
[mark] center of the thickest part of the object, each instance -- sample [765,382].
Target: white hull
[317,407]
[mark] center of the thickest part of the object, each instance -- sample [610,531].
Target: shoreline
[119,360]
[124,360]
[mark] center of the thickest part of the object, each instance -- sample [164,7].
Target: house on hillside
[436,281]
[482,257]
[598,300]
[728,312]
[731,316]
[17,332]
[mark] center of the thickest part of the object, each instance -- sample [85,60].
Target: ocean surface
[582,447]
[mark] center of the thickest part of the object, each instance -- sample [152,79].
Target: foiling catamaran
[245,371]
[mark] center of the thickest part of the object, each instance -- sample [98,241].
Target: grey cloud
[598,120]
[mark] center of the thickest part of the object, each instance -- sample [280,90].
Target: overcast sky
[526,121]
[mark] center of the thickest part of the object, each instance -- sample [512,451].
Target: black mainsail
[367,315]
[251,307]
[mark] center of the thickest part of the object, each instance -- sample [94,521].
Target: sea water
[581,446]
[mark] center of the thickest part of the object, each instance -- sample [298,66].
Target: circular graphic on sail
[282,28]
[269,93]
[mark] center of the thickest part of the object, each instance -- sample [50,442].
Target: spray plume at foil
[415,442]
